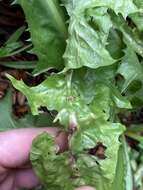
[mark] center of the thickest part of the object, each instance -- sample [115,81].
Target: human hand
[15,167]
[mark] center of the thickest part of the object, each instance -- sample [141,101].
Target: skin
[15,167]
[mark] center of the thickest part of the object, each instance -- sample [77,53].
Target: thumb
[85,188]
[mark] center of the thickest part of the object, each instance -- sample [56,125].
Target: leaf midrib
[59,21]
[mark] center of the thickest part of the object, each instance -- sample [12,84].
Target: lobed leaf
[78,166]
[71,97]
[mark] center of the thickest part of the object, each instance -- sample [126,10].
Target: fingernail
[85,188]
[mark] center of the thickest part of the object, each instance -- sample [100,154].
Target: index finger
[15,144]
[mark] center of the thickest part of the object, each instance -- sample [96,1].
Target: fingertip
[85,188]
[26,178]
[62,141]
[15,145]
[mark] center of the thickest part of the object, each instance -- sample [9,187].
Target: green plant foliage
[99,54]
[137,19]
[13,46]
[70,97]
[123,179]
[46,21]
[78,166]
[85,46]
[19,64]
[115,44]
[9,121]
[130,68]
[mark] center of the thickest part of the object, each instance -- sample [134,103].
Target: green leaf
[89,135]
[88,31]
[46,21]
[44,161]
[85,46]
[100,21]
[115,44]
[71,96]
[137,18]
[124,7]
[9,121]
[123,177]
[19,64]
[130,68]
[78,166]
[139,3]
[13,46]
[131,38]
[139,177]
[16,35]
[66,99]
[136,128]
[135,136]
